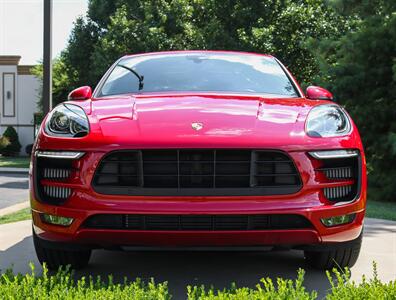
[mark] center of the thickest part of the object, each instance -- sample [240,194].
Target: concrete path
[14,188]
[14,170]
[217,268]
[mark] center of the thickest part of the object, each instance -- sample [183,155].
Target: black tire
[54,258]
[345,255]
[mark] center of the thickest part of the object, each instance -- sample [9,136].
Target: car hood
[201,120]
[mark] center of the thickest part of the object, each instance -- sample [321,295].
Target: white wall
[26,96]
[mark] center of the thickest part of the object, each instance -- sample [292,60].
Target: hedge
[62,285]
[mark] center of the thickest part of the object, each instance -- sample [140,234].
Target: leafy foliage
[342,287]
[114,28]
[284,289]
[11,145]
[347,46]
[360,68]
[4,142]
[64,285]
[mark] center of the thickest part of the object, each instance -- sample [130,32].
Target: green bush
[284,289]
[62,285]
[4,142]
[14,147]
[342,287]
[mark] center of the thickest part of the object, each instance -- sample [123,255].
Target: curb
[14,208]
[14,170]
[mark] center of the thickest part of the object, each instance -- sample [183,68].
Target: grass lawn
[14,162]
[381,210]
[23,214]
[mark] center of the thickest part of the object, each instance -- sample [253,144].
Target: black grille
[197,222]
[54,171]
[196,172]
[342,169]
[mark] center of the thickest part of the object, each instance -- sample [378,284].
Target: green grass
[14,162]
[381,210]
[20,215]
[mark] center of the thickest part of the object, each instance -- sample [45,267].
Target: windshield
[199,72]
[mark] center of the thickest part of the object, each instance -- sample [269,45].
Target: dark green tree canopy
[115,28]
[347,46]
[360,68]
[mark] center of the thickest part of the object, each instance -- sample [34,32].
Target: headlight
[67,120]
[327,121]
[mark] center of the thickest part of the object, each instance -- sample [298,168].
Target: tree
[277,27]
[360,68]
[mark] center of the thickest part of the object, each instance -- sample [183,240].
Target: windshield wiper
[140,77]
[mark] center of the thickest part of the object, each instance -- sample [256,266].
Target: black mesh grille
[195,172]
[54,171]
[197,222]
[340,169]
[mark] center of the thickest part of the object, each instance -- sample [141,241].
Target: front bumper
[97,238]
[308,202]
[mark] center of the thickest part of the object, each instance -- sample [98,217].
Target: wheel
[54,258]
[345,255]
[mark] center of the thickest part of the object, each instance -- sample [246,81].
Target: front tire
[343,256]
[55,258]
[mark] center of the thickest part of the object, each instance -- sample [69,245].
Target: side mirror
[318,93]
[81,93]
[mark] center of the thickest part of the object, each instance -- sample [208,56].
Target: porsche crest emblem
[197,126]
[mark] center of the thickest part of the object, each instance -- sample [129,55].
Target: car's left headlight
[67,120]
[327,120]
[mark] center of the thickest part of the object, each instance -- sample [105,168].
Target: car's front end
[198,169]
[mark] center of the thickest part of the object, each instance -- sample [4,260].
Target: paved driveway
[14,188]
[217,268]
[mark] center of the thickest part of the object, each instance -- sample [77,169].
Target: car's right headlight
[327,120]
[67,120]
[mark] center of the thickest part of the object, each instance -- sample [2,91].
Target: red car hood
[227,120]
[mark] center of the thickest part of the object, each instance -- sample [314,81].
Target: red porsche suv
[198,149]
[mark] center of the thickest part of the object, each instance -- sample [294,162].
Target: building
[19,94]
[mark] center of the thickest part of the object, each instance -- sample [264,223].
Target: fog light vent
[57,174]
[57,191]
[338,173]
[338,192]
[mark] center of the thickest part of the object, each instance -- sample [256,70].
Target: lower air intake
[197,222]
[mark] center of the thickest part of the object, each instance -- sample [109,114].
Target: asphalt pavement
[14,188]
[210,268]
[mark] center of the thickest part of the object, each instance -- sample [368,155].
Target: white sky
[21,26]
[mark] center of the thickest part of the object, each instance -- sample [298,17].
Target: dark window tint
[204,72]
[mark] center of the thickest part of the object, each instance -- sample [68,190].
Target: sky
[21,27]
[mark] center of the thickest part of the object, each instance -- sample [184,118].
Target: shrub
[285,289]
[14,147]
[4,142]
[62,286]
[344,288]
